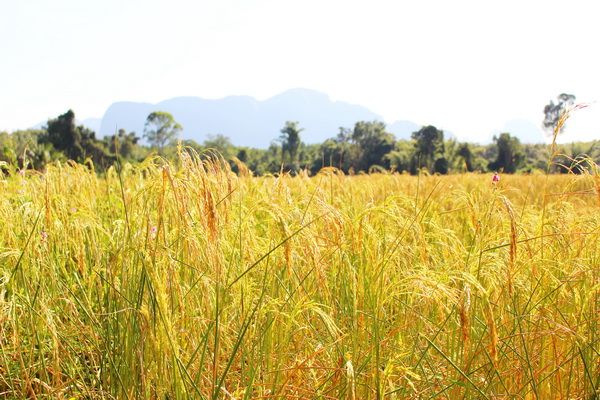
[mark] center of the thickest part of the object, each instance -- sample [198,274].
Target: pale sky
[474,68]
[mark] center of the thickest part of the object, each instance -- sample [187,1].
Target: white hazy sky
[470,67]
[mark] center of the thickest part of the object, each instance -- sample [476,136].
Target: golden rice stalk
[350,380]
[493,346]
[465,324]
[512,255]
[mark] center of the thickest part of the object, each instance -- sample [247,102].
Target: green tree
[400,157]
[242,155]
[76,142]
[63,134]
[26,149]
[161,129]
[429,150]
[123,143]
[575,158]
[290,142]
[372,143]
[345,149]
[536,157]
[335,152]
[554,112]
[465,153]
[220,143]
[509,156]
[273,156]
[330,156]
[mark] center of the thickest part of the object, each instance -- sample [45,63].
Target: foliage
[221,144]
[429,150]
[554,112]
[290,143]
[76,142]
[371,143]
[400,159]
[367,147]
[465,153]
[573,157]
[510,156]
[25,149]
[161,129]
[334,152]
[124,144]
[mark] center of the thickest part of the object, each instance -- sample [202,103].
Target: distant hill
[525,130]
[247,121]
[254,123]
[403,129]
[92,123]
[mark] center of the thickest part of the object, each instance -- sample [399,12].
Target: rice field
[184,280]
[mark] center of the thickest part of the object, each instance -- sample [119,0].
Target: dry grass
[186,281]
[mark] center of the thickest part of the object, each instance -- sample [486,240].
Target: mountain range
[247,121]
[257,123]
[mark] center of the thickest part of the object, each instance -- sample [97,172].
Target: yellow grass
[187,281]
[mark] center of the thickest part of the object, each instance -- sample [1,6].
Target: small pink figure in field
[153,231]
[495,179]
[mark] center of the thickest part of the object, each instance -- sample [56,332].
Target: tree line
[365,147]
